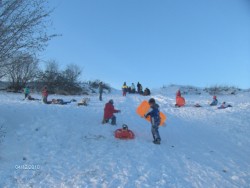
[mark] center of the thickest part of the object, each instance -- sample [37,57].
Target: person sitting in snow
[214,102]
[84,102]
[45,94]
[124,133]
[224,105]
[59,101]
[32,99]
[155,119]
[109,111]
[180,101]
[146,92]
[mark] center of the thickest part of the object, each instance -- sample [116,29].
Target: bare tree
[22,69]
[72,73]
[23,27]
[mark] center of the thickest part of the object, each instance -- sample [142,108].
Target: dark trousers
[155,132]
[100,96]
[113,120]
[45,100]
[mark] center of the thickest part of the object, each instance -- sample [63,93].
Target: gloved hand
[119,111]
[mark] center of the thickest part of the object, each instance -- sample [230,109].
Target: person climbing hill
[155,119]
[109,111]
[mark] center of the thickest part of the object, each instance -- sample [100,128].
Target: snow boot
[157,141]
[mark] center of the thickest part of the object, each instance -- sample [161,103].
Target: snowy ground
[201,147]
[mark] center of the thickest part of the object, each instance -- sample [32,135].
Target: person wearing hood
[155,119]
[109,111]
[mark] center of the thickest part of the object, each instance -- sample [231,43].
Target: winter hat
[124,127]
[152,100]
[111,101]
[214,97]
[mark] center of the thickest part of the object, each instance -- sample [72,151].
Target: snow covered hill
[69,147]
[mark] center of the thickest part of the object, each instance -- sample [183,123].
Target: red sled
[124,134]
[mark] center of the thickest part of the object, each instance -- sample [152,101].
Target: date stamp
[28,167]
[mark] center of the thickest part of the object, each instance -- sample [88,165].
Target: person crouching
[109,111]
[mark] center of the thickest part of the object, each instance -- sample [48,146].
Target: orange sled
[144,107]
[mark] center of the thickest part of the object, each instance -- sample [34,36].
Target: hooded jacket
[109,110]
[154,114]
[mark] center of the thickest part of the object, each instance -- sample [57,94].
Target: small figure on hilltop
[124,89]
[155,119]
[26,91]
[224,105]
[146,92]
[45,94]
[214,102]
[139,88]
[100,90]
[124,133]
[180,101]
[133,88]
[109,111]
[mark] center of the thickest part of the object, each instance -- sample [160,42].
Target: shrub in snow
[219,90]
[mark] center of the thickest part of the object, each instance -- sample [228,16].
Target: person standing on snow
[155,119]
[45,94]
[138,87]
[109,111]
[133,88]
[26,91]
[100,90]
[124,89]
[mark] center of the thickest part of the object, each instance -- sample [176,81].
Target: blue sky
[156,42]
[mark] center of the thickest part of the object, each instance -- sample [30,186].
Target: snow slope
[201,147]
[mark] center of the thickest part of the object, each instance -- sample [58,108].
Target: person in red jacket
[109,111]
[178,93]
[45,94]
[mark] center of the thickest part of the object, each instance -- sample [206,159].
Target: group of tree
[23,34]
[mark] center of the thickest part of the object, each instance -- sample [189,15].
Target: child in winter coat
[26,92]
[214,102]
[109,111]
[154,114]
[124,89]
[45,95]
